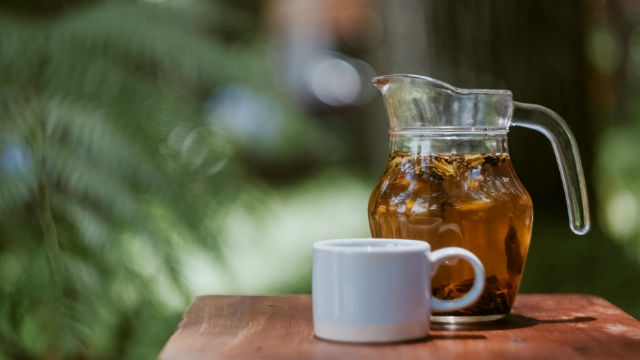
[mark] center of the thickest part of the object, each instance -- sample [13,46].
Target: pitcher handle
[550,124]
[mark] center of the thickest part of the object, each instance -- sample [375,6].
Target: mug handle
[437,257]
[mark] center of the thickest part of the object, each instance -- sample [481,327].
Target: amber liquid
[474,201]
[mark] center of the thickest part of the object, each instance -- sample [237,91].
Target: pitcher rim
[380,81]
[450,131]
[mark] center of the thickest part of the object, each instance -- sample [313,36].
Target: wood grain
[281,327]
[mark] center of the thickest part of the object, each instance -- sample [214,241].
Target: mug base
[449,319]
[370,333]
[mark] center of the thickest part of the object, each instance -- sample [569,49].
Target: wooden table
[274,327]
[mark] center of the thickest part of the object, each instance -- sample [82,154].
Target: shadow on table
[454,336]
[431,337]
[513,321]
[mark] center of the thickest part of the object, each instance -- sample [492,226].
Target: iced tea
[474,201]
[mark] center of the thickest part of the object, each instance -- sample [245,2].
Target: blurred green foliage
[619,186]
[615,55]
[107,166]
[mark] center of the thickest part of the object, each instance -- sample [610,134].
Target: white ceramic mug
[379,290]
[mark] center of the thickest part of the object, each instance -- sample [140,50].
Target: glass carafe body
[458,190]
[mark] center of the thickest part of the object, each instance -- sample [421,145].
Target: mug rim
[337,245]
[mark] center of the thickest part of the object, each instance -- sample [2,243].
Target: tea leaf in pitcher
[433,174]
[443,207]
[492,160]
[515,261]
[474,161]
[394,162]
[495,299]
[444,165]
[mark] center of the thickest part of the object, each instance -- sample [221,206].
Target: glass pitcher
[449,181]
